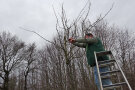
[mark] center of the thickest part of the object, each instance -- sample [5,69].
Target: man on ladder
[92,44]
[96,57]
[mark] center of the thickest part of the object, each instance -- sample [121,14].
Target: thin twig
[40,36]
[94,24]
[36,33]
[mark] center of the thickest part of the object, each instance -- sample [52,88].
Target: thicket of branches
[60,65]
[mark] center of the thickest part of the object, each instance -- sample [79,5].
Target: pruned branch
[36,34]
[39,36]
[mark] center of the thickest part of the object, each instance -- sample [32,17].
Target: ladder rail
[99,77]
[117,76]
[123,74]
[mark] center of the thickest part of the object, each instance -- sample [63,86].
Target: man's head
[88,35]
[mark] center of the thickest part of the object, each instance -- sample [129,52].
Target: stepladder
[114,73]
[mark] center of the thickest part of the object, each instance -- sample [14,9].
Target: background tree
[11,55]
[30,58]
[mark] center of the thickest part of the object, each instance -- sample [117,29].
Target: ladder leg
[98,73]
[96,77]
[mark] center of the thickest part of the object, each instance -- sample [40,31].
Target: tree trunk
[6,81]
[25,83]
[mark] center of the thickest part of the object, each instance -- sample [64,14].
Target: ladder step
[106,64]
[113,88]
[108,76]
[113,85]
[102,53]
[106,61]
[109,72]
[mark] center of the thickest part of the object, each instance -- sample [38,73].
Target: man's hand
[71,40]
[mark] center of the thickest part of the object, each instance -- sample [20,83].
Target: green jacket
[91,45]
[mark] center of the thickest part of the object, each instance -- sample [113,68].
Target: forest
[60,65]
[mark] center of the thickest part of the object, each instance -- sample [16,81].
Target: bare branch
[36,33]
[39,36]
[100,19]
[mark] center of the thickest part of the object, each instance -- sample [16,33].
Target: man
[91,44]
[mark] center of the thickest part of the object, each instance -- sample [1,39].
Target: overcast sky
[38,15]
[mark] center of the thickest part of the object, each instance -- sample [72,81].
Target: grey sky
[38,15]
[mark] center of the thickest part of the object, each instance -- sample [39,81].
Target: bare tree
[125,53]
[30,58]
[11,55]
[13,82]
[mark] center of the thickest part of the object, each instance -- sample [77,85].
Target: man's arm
[90,40]
[83,45]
